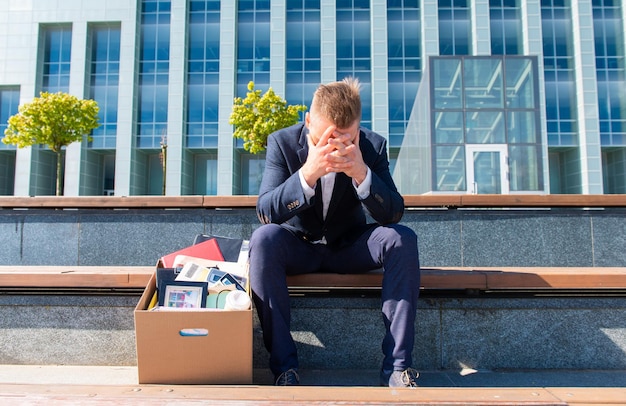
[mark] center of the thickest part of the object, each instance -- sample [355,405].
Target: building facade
[474,96]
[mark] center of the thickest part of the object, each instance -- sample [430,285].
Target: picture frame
[183,294]
[228,280]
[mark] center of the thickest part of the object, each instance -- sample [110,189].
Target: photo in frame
[183,294]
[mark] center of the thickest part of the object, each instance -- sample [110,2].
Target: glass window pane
[449,173]
[487,172]
[447,80]
[519,83]
[252,173]
[485,127]
[524,168]
[449,127]
[521,127]
[483,83]
[205,176]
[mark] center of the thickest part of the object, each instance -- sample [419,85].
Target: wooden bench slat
[556,277]
[268,395]
[249,201]
[590,396]
[442,278]
[98,202]
[75,276]
[543,200]
[229,201]
[303,395]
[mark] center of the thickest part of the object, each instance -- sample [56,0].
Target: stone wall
[467,237]
[579,331]
[344,332]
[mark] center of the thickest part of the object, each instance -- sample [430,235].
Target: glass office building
[480,96]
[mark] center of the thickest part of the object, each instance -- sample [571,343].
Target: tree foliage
[52,119]
[256,117]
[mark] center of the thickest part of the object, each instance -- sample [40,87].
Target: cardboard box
[220,352]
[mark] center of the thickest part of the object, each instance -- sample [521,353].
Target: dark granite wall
[474,237]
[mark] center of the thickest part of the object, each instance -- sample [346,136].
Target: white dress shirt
[328,183]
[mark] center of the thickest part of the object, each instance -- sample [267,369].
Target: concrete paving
[127,375]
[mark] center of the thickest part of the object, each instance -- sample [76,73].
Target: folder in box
[229,247]
[208,249]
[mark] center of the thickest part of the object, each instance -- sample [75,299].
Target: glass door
[487,169]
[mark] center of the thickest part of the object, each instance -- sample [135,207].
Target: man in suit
[320,179]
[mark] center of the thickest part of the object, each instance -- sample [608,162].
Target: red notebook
[208,249]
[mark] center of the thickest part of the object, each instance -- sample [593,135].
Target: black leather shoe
[288,378]
[399,379]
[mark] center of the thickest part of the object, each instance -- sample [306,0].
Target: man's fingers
[326,136]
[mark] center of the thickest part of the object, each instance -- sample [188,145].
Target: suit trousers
[276,252]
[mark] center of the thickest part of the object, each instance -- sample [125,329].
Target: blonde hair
[339,102]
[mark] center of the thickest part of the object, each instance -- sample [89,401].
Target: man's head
[338,104]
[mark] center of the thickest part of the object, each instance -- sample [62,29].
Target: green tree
[52,119]
[256,117]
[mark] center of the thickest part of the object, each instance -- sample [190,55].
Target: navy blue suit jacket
[282,200]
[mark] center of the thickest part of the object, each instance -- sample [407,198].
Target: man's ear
[307,119]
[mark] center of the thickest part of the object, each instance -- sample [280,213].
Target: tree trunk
[59,167]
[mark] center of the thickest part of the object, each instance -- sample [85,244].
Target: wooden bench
[437,278]
[305,395]
[235,202]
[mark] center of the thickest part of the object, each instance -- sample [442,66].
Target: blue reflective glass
[9,101]
[195,97]
[312,65]
[483,83]
[64,83]
[448,128]
[446,42]
[56,59]
[51,69]
[522,128]
[447,83]
[449,173]
[361,40]
[64,68]
[344,65]
[294,65]
[163,42]
[195,5]
[524,168]
[395,65]
[149,6]
[193,141]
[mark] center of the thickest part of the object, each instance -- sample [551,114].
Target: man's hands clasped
[334,152]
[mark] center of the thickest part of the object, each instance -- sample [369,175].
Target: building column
[481,30]
[533,45]
[587,98]
[278,18]
[328,45]
[74,153]
[125,144]
[23,159]
[430,31]
[176,99]
[226,170]
[380,88]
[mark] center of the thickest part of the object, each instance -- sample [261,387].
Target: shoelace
[289,377]
[409,376]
